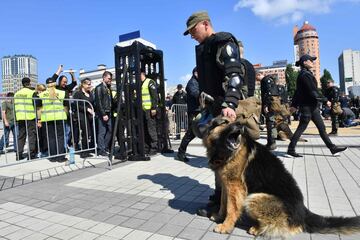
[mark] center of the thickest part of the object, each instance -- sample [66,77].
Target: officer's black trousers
[310,113]
[27,128]
[150,133]
[189,135]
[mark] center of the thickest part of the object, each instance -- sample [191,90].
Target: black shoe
[293,154]
[102,153]
[181,157]
[85,155]
[333,133]
[167,150]
[336,150]
[271,147]
[61,159]
[152,152]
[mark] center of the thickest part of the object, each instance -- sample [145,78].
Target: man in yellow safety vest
[25,115]
[150,100]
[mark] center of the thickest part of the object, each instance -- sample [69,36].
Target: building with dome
[306,41]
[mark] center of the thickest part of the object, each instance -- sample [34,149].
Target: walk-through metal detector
[129,61]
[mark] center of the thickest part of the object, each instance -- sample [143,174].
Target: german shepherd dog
[256,183]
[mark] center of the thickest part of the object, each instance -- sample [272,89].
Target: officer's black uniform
[306,97]
[220,75]
[151,138]
[332,94]
[193,108]
[269,91]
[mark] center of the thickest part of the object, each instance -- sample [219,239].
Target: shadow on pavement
[186,191]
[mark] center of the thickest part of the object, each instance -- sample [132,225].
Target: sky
[82,33]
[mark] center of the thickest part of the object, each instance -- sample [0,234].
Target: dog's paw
[217,218]
[222,228]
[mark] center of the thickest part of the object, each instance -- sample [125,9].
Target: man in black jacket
[193,108]
[104,106]
[306,97]
[179,97]
[219,74]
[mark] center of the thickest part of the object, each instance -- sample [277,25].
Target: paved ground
[158,199]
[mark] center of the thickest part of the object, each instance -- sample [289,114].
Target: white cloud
[287,11]
[185,78]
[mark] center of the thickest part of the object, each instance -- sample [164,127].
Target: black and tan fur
[255,182]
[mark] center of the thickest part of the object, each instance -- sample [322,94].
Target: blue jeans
[5,138]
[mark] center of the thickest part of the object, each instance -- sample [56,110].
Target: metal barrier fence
[178,119]
[43,138]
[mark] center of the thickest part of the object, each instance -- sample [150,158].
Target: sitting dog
[255,182]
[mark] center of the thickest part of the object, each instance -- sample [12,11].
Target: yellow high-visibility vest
[52,109]
[24,106]
[145,94]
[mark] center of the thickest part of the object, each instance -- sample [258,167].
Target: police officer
[219,73]
[193,108]
[180,97]
[150,100]
[270,98]
[52,119]
[332,93]
[25,115]
[306,97]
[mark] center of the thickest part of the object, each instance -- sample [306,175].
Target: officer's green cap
[194,19]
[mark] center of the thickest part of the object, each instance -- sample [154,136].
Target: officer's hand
[229,112]
[292,110]
[106,118]
[153,112]
[60,68]
[328,103]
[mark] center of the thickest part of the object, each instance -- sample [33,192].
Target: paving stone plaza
[158,199]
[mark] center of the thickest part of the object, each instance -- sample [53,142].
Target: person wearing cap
[150,99]
[193,108]
[219,75]
[25,115]
[306,98]
[53,111]
[332,93]
[179,97]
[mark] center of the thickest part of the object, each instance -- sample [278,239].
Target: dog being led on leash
[256,183]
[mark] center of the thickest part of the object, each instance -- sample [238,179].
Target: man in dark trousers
[306,97]
[219,74]
[179,97]
[193,108]
[150,100]
[332,94]
[269,96]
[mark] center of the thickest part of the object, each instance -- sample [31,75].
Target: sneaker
[293,154]
[181,157]
[336,150]
[271,147]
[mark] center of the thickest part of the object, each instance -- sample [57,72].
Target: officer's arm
[153,95]
[228,57]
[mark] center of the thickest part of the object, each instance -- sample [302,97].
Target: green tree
[324,79]
[291,77]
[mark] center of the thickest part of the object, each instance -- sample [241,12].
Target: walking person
[193,108]
[306,97]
